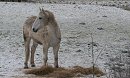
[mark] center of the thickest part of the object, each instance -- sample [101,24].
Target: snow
[109,27]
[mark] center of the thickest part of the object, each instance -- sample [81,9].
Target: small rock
[77,44]
[73,3]
[124,51]
[128,55]
[104,4]
[106,53]
[82,23]
[88,44]
[126,2]
[104,16]
[92,43]
[37,54]
[79,50]
[113,5]
[100,28]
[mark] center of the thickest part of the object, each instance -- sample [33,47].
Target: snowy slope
[109,27]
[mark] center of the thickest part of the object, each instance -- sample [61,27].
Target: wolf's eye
[40,17]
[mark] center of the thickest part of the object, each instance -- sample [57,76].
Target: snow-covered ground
[109,26]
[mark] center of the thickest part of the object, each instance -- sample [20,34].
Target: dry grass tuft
[87,71]
[40,71]
[61,72]
[97,71]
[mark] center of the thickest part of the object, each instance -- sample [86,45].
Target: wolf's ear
[40,9]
